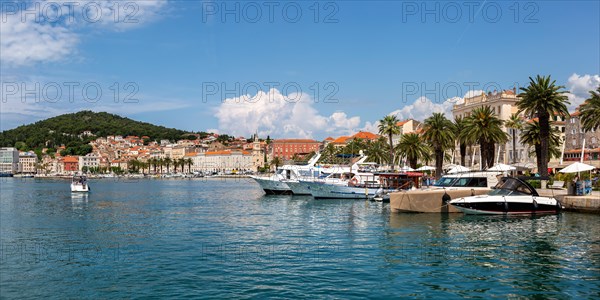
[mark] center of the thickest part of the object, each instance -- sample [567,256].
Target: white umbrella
[502,168]
[577,167]
[406,169]
[522,166]
[458,169]
[426,168]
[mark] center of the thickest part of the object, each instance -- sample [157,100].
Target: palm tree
[161,163]
[438,132]
[182,163]
[482,126]
[542,99]
[377,150]
[276,161]
[167,161]
[459,128]
[531,136]
[590,112]
[189,162]
[414,148]
[514,123]
[389,126]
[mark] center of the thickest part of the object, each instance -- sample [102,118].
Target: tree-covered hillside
[65,129]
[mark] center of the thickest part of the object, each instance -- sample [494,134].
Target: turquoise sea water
[217,238]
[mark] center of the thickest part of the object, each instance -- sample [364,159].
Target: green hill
[65,129]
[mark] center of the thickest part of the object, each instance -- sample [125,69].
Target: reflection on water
[79,200]
[226,239]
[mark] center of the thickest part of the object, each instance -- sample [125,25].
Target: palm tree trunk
[439,159]
[544,136]
[514,136]
[484,154]
[391,151]
[463,153]
[491,154]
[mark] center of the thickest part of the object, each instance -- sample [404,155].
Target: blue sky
[364,58]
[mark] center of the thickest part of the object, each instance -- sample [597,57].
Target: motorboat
[393,182]
[277,184]
[435,198]
[79,184]
[510,196]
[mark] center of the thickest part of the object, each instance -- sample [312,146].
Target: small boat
[510,196]
[79,184]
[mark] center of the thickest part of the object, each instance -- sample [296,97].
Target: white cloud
[422,108]
[579,88]
[22,43]
[53,33]
[272,113]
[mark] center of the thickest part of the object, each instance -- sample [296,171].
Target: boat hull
[298,188]
[430,200]
[79,188]
[332,191]
[513,205]
[273,187]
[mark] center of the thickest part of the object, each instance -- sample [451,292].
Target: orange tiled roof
[71,159]
[340,140]
[401,123]
[190,154]
[365,135]
[575,114]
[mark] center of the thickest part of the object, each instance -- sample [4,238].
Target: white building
[9,160]
[90,160]
[27,162]
[223,161]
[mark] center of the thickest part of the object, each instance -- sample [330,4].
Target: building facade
[27,162]
[70,164]
[574,142]
[9,160]
[88,161]
[226,161]
[287,148]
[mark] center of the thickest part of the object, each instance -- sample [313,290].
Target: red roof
[329,138]
[71,159]
[365,135]
[340,140]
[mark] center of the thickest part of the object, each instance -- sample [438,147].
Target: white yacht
[79,184]
[277,184]
[360,183]
[510,196]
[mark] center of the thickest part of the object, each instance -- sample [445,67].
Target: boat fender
[505,205]
[535,205]
[472,192]
[353,181]
[446,198]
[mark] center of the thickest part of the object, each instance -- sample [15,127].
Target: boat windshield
[462,182]
[511,186]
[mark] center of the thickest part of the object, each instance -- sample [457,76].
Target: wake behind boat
[510,196]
